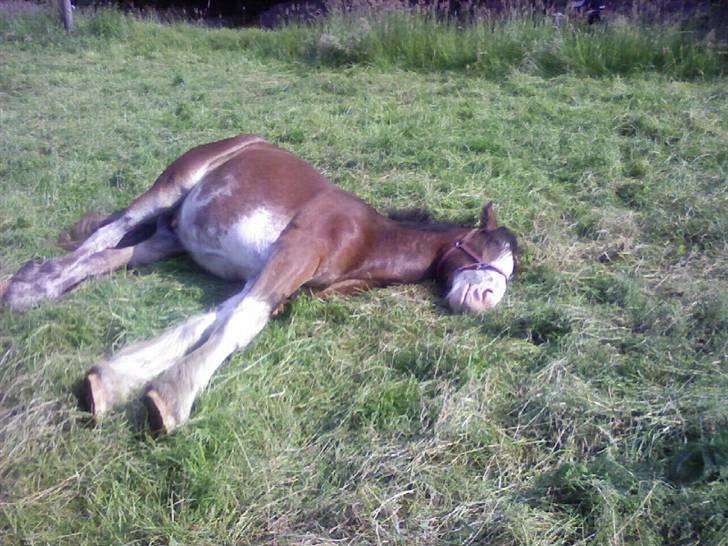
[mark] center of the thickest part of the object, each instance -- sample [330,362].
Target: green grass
[590,408]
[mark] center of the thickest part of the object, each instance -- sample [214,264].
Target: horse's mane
[421,219]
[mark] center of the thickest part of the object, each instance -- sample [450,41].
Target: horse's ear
[487,217]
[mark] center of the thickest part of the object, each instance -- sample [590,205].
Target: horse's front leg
[113,380]
[170,396]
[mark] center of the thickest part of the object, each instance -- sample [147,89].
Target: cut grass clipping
[590,408]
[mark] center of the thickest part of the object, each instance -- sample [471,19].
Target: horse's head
[475,271]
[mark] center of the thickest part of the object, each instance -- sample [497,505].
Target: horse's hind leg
[37,281]
[161,244]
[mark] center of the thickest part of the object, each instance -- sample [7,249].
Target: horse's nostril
[464,297]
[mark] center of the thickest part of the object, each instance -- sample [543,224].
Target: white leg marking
[178,386]
[245,322]
[480,290]
[133,366]
[109,235]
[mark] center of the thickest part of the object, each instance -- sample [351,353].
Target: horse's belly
[230,246]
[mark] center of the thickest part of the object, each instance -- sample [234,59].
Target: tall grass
[422,39]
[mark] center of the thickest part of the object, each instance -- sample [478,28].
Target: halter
[477,265]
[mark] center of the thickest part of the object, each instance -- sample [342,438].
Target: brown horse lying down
[248,211]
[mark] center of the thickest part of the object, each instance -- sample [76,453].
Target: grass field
[590,408]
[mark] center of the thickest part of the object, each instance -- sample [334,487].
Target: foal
[248,211]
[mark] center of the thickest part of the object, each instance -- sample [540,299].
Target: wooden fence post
[67,14]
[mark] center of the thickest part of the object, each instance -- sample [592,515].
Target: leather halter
[477,264]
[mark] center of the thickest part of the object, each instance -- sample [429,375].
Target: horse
[248,211]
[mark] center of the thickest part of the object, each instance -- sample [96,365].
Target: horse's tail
[71,238]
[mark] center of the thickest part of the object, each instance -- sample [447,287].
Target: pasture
[591,407]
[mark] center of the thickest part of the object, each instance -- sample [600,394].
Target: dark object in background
[292,11]
[705,14]
[591,9]
[230,13]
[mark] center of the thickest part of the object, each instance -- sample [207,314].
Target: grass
[589,408]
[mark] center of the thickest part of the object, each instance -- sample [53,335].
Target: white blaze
[479,290]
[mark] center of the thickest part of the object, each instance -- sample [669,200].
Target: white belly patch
[235,252]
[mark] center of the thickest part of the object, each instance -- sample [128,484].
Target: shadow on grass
[611,487]
[699,461]
[213,290]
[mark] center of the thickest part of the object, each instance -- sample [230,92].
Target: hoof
[21,295]
[18,295]
[34,282]
[161,418]
[95,397]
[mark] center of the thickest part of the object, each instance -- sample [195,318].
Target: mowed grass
[590,408]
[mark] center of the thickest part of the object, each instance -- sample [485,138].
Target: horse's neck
[406,254]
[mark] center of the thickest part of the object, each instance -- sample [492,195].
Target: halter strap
[477,265]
